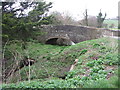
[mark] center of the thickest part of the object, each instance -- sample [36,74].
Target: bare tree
[86,17]
[92,21]
[57,18]
[100,19]
[63,18]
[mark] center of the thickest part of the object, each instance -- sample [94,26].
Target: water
[72,43]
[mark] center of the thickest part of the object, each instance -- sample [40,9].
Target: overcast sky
[76,7]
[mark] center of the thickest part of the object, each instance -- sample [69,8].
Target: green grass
[97,59]
[109,22]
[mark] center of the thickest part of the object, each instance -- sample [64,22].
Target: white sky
[76,8]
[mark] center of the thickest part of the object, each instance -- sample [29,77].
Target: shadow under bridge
[62,41]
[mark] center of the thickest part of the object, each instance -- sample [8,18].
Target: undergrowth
[97,65]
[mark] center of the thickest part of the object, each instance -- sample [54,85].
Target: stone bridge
[69,34]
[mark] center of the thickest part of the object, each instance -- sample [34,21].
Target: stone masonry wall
[74,33]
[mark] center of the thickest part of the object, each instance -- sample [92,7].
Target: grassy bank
[97,65]
[110,22]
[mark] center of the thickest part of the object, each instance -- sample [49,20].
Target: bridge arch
[59,41]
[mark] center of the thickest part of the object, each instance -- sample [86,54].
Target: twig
[46,71]
[72,67]
[29,69]
[4,48]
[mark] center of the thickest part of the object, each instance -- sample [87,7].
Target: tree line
[17,24]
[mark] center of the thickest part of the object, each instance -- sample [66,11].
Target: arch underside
[59,41]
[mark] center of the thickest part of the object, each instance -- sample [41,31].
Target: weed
[53,61]
[96,45]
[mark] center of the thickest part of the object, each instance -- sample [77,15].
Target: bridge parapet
[75,33]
